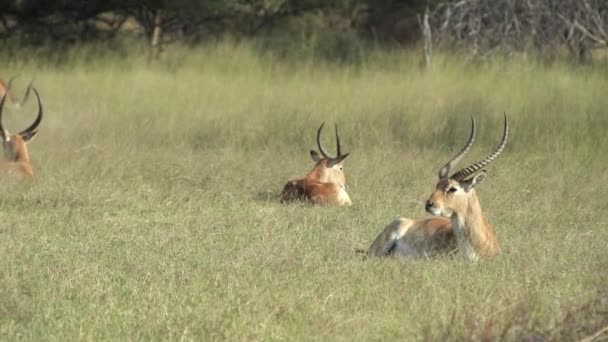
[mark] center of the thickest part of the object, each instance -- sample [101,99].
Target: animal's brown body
[461,226]
[16,158]
[325,184]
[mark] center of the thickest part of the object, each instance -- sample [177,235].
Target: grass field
[154,213]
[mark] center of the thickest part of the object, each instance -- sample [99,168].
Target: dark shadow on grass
[266,197]
[361,253]
[270,197]
[38,203]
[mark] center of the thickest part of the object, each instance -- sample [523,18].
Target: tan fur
[411,238]
[4,89]
[15,159]
[462,227]
[461,224]
[20,166]
[475,235]
[324,185]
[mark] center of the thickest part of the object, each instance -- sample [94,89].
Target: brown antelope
[461,226]
[5,89]
[16,157]
[326,183]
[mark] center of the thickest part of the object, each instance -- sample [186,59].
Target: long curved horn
[321,148]
[36,122]
[339,150]
[469,170]
[10,82]
[445,170]
[27,93]
[3,133]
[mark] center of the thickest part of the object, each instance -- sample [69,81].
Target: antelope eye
[452,189]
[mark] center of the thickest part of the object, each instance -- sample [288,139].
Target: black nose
[428,205]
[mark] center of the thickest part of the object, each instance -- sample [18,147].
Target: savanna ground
[154,213]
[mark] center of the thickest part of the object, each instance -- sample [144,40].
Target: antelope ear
[315,156]
[471,183]
[28,136]
[335,161]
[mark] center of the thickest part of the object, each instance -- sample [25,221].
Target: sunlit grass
[154,212]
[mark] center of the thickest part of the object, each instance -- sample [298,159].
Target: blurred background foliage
[340,31]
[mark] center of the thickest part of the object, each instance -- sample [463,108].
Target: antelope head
[14,145]
[328,169]
[454,194]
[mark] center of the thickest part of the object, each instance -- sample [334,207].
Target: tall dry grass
[154,212]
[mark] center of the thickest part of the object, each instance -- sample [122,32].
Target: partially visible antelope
[16,159]
[5,89]
[461,225]
[326,183]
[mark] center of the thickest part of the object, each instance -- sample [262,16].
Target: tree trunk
[427,37]
[157,34]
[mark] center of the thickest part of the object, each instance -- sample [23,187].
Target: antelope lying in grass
[5,89]
[461,226]
[326,183]
[16,157]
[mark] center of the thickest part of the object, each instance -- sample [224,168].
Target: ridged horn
[469,170]
[339,150]
[445,170]
[36,122]
[10,83]
[27,93]
[321,148]
[3,133]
